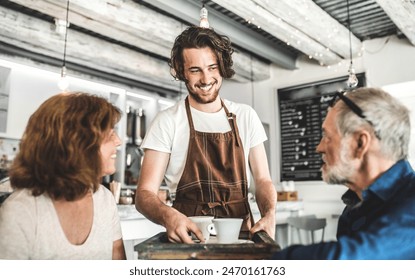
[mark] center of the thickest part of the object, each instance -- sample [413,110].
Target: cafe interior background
[289,55]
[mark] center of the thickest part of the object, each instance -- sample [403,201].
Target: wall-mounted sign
[302,110]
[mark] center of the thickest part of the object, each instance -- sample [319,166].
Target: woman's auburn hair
[59,153]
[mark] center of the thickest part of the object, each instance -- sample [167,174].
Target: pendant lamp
[63,83]
[352,81]
[204,17]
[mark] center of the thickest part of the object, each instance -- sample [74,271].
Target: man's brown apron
[214,181]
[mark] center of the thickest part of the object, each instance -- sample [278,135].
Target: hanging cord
[180,81]
[252,82]
[180,90]
[66,34]
[350,33]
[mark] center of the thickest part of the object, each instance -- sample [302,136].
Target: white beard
[341,172]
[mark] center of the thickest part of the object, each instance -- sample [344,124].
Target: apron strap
[231,119]
[189,118]
[232,122]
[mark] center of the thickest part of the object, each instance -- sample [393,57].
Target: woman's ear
[362,141]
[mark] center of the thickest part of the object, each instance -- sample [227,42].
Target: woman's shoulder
[103,192]
[20,196]
[104,203]
[23,200]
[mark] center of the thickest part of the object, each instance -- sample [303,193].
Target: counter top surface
[128,212]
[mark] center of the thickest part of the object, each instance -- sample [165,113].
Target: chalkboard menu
[302,110]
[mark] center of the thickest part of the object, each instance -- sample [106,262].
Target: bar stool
[309,223]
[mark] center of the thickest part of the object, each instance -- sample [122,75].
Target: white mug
[203,223]
[227,229]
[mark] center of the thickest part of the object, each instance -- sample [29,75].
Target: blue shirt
[380,226]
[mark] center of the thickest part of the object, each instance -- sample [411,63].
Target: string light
[63,83]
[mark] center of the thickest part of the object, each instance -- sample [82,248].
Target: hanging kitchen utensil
[140,126]
[134,153]
[130,123]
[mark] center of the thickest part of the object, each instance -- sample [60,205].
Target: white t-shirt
[169,132]
[30,229]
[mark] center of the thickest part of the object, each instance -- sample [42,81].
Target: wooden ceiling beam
[135,25]
[37,36]
[402,14]
[301,24]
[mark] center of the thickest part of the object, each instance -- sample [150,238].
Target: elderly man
[364,147]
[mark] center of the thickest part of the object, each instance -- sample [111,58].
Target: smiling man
[205,146]
[364,147]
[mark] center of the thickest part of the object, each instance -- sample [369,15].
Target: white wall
[389,62]
[29,97]
[406,93]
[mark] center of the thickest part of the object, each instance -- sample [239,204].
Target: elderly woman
[58,209]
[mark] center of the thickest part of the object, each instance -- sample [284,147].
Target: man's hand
[178,227]
[267,224]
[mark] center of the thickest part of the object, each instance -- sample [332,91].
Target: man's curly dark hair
[198,37]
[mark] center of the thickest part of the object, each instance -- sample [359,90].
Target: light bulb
[204,18]
[63,82]
[60,26]
[352,81]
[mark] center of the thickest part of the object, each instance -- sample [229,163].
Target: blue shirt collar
[385,186]
[389,182]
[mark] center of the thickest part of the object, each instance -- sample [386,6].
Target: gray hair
[386,117]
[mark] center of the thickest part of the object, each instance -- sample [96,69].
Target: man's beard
[342,171]
[202,100]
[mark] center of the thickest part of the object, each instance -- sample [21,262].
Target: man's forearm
[266,199]
[148,204]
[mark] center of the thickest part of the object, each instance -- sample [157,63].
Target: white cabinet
[145,102]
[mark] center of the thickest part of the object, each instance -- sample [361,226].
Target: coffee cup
[227,229]
[204,224]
